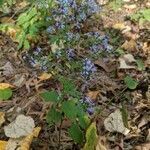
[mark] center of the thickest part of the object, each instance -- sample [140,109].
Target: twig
[59,140]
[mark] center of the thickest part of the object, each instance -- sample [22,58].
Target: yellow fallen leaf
[119,26]
[129,45]
[2,118]
[5,86]
[26,142]
[22,143]
[3,145]
[7,20]
[100,145]
[45,76]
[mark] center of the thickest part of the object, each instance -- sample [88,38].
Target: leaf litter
[106,86]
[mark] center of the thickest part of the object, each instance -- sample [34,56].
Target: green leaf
[26,44]
[91,138]
[130,82]
[69,87]
[70,109]
[140,64]
[1,2]
[5,94]
[53,116]
[124,113]
[75,133]
[84,121]
[51,96]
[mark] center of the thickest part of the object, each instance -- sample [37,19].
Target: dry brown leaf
[45,76]
[92,94]
[145,146]
[107,64]
[7,20]
[2,118]
[129,45]
[5,86]
[19,80]
[3,145]
[130,7]
[8,69]
[148,136]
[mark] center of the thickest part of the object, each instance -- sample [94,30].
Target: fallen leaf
[125,60]
[3,145]
[103,64]
[100,145]
[145,146]
[129,58]
[129,45]
[8,69]
[148,136]
[19,80]
[124,65]
[2,118]
[12,144]
[92,94]
[45,76]
[114,123]
[26,142]
[130,7]
[7,20]
[22,126]
[91,137]
[121,26]
[5,86]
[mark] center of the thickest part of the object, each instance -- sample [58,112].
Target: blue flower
[50,29]
[60,25]
[92,6]
[82,17]
[95,48]
[89,104]
[58,53]
[37,51]
[105,43]
[70,53]
[88,68]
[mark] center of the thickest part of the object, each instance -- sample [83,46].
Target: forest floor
[107,88]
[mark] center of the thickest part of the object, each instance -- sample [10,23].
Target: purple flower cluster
[88,68]
[105,43]
[71,11]
[90,105]
[35,59]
